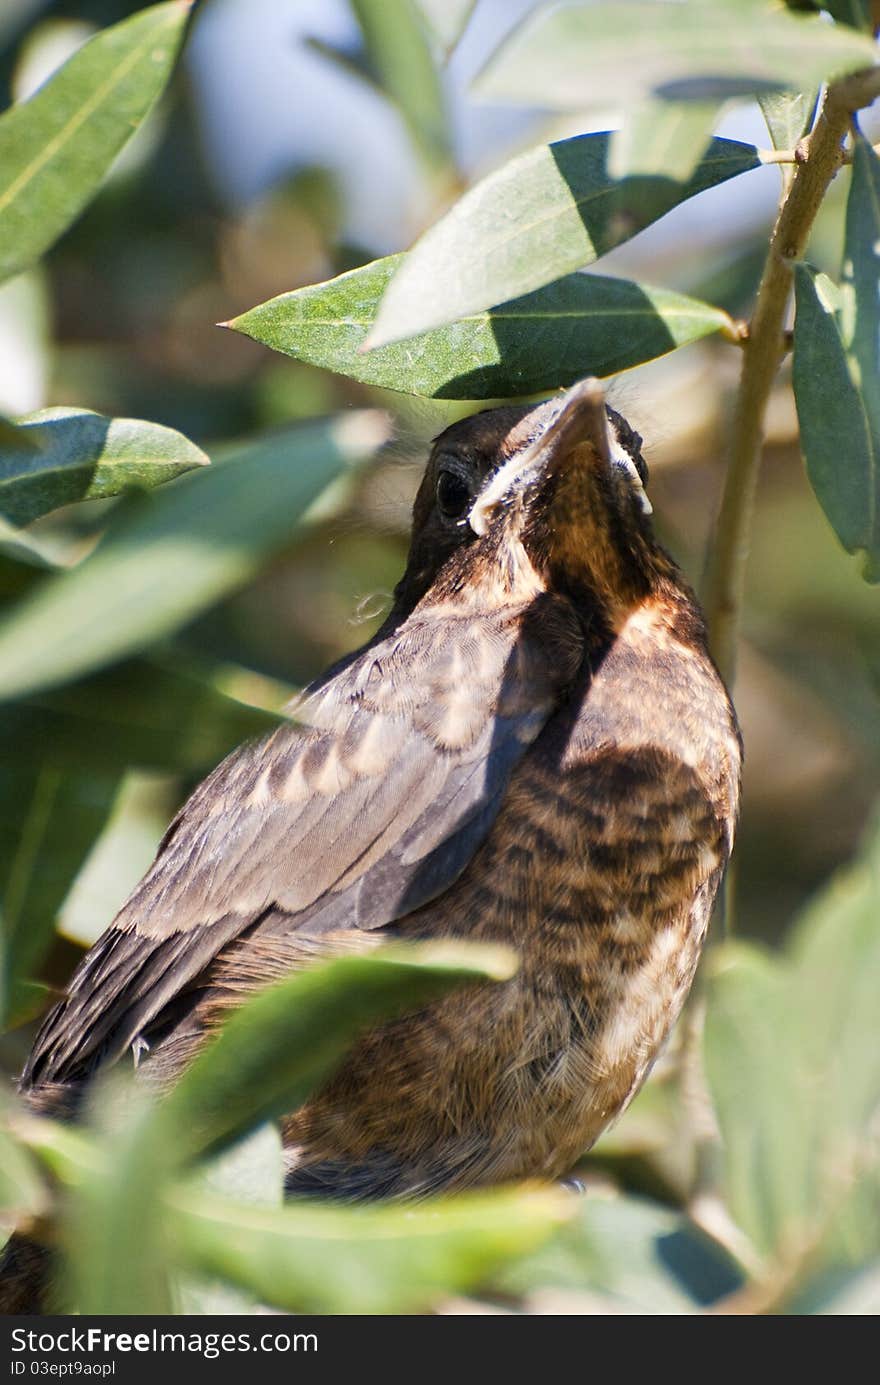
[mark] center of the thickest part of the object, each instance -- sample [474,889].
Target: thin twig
[819,156]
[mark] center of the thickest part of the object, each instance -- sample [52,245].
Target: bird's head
[551,493]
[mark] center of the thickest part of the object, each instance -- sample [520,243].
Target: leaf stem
[819,156]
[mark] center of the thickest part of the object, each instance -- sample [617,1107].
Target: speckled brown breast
[601,870]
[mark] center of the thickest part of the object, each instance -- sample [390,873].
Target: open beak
[581,418]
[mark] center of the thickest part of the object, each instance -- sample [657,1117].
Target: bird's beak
[581,418]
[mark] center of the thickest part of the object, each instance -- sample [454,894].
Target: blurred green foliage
[149,627]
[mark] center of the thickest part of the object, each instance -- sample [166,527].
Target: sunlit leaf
[398,51]
[275,1050]
[172,554]
[789,115]
[392,1259]
[446,20]
[663,137]
[583,324]
[56,147]
[611,52]
[61,455]
[544,214]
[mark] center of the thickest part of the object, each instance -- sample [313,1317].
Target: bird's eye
[453,495]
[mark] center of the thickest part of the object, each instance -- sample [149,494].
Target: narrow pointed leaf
[274,1051]
[446,21]
[61,455]
[544,214]
[398,51]
[572,55]
[789,116]
[56,147]
[839,438]
[393,1259]
[583,324]
[170,555]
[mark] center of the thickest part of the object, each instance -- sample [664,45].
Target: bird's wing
[368,808]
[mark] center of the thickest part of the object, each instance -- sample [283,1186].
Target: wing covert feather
[367,808]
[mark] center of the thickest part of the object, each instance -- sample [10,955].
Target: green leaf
[841,449]
[396,42]
[640,1257]
[22,1191]
[794,1069]
[789,116]
[393,1259]
[115,1231]
[60,455]
[663,137]
[573,55]
[860,318]
[170,555]
[836,950]
[26,549]
[49,820]
[119,718]
[544,214]
[756,1080]
[56,147]
[282,1044]
[581,325]
[446,21]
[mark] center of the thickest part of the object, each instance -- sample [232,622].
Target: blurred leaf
[396,41]
[612,52]
[663,137]
[446,21]
[22,1192]
[794,1068]
[170,555]
[48,822]
[121,717]
[836,950]
[756,1082]
[789,116]
[839,405]
[61,455]
[56,147]
[547,212]
[28,999]
[114,1231]
[841,1293]
[641,1257]
[393,1259]
[23,548]
[284,1042]
[252,1171]
[581,325]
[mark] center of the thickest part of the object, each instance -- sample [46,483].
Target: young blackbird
[536,749]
